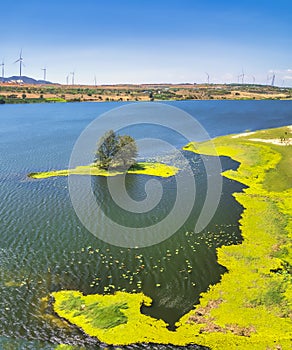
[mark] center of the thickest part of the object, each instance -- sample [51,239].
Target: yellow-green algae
[138,328]
[143,168]
[251,306]
[68,347]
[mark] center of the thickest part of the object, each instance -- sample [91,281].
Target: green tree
[116,151]
[127,153]
[107,147]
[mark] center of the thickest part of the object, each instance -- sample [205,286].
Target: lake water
[45,248]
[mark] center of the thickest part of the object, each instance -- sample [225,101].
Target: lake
[45,248]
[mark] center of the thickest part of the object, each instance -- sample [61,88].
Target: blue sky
[135,41]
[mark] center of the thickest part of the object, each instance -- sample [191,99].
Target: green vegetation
[257,290]
[68,347]
[55,99]
[100,316]
[15,100]
[250,309]
[111,318]
[116,151]
[143,168]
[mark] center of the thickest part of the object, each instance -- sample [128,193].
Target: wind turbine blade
[17,61]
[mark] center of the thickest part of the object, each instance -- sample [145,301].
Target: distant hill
[24,80]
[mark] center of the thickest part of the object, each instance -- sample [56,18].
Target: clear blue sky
[135,41]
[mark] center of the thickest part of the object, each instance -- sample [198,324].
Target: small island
[115,155]
[251,306]
[141,168]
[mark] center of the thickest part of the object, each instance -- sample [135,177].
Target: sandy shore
[243,134]
[286,142]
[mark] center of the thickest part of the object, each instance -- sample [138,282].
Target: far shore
[13,93]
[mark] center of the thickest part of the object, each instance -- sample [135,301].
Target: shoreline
[250,308]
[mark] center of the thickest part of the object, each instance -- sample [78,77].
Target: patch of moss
[103,316]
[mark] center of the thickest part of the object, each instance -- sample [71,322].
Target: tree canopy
[116,151]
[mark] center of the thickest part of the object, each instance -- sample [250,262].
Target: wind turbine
[273,79]
[73,75]
[95,80]
[2,64]
[20,60]
[67,79]
[242,77]
[45,73]
[208,78]
[253,79]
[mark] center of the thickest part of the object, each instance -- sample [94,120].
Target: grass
[100,316]
[55,99]
[106,317]
[279,178]
[143,168]
[250,309]
[256,291]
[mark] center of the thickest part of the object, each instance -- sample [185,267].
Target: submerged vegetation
[251,307]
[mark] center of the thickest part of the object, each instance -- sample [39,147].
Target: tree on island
[116,151]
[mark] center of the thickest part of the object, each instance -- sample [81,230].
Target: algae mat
[251,307]
[141,168]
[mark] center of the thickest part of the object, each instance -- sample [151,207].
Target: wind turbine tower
[20,60]
[242,77]
[208,78]
[73,75]
[273,79]
[45,73]
[2,64]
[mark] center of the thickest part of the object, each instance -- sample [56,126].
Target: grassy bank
[142,168]
[254,297]
[251,307]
